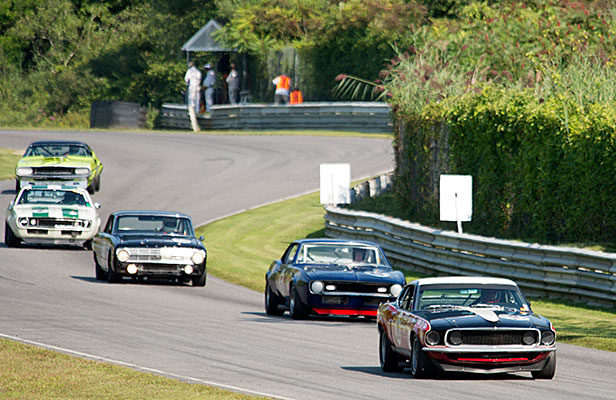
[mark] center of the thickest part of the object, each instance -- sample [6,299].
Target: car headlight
[547,338]
[528,338]
[198,257]
[432,338]
[123,255]
[23,171]
[23,221]
[395,290]
[317,286]
[455,338]
[82,171]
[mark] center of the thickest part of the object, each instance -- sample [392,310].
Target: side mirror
[201,238]
[97,205]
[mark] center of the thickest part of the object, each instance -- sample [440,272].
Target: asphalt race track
[220,334]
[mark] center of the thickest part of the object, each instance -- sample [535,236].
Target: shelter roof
[204,40]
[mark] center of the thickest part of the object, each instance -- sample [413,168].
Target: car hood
[353,273]
[54,211]
[483,317]
[68,161]
[128,240]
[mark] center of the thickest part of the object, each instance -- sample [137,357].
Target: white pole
[458,214]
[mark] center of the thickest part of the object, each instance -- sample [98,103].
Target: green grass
[241,247]
[29,372]
[8,161]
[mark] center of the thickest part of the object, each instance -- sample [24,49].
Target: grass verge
[241,247]
[29,372]
[8,161]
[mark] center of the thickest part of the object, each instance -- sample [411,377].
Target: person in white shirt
[233,85]
[193,81]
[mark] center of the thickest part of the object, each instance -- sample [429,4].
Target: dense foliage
[58,56]
[521,97]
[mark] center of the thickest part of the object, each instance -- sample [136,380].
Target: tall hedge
[543,169]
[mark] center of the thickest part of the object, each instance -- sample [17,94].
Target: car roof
[58,142]
[335,241]
[479,280]
[153,213]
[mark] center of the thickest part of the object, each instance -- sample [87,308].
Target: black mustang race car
[470,324]
[330,277]
[152,244]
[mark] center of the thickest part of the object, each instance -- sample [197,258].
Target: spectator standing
[283,83]
[296,96]
[208,85]
[233,85]
[193,82]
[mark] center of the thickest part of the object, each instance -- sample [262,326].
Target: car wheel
[199,280]
[390,362]
[98,271]
[112,276]
[17,186]
[271,302]
[420,364]
[9,237]
[548,370]
[296,308]
[98,183]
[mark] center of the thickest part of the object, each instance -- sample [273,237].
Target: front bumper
[159,270]
[490,360]
[54,235]
[346,304]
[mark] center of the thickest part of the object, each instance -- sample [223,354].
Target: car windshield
[57,150]
[48,196]
[479,296]
[154,224]
[346,254]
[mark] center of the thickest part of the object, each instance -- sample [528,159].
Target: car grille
[357,289]
[53,171]
[494,337]
[144,255]
[58,223]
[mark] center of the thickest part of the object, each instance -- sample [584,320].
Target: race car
[68,163]
[51,214]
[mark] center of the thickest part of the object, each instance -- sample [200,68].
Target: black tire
[390,361]
[98,271]
[296,308]
[17,186]
[199,280]
[421,367]
[87,244]
[9,237]
[98,182]
[112,276]
[271,302]
[549,369]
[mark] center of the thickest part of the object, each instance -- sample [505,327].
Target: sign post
[456,200]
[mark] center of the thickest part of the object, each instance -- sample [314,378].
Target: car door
[287,269]
[403,321]
[102,244]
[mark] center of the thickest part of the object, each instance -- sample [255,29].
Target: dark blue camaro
[330,277]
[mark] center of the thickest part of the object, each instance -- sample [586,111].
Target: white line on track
[144,369]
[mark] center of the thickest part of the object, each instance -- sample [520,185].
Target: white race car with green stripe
[51,214]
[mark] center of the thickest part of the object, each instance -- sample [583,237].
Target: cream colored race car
[51,214]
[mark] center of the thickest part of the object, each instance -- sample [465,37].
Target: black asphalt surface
[220,334]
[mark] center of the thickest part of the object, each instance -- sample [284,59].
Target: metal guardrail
[347,116]
[558,272]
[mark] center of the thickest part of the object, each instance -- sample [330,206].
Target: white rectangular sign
[456,197]
[335,183]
